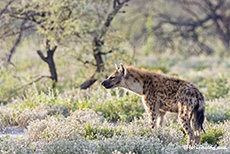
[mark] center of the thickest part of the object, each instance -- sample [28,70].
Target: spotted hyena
[161,94]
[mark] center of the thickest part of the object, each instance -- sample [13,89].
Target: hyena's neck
[134,81]
[134,87]
[138,81]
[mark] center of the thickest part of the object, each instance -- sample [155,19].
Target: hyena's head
[116,78]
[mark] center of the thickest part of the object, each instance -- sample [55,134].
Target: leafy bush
[114,104]
[201,65]
[125,109]
[92,133]
[217,87]
[212,136]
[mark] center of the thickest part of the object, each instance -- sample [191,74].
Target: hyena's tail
[198,113]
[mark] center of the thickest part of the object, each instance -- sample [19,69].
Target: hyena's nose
[103,83]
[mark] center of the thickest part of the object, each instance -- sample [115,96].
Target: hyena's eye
[112,77]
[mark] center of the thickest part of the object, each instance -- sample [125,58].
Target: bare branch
[16,42]
[42,56]
[6,7]
[86,62]
[10,32]
[111,16]
[36,80]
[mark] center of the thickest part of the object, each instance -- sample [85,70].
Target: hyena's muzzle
[107,84]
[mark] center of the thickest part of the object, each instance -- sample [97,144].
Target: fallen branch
[30,83]
[88,83]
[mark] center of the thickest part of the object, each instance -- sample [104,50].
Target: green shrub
[201,65]
[217,87]
[213,136]
[114,105]
[124,108]
[92,133]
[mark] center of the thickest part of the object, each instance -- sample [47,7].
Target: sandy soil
[13,132]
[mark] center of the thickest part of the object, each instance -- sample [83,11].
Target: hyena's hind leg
[161,118]
[184,117]
[196,129]
[197,121]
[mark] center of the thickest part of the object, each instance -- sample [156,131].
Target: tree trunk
[97,54]
[98,43]
[99,62]
[50,61]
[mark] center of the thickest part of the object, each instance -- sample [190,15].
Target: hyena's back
[168,91]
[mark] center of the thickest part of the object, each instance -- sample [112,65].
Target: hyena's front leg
[152,109]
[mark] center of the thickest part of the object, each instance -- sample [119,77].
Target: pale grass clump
[12,116]
[80,146]
[10,146]
[118,152]
[8,116]
[134,144]
[33,106]
[89,125]
[170,133]
[87,116]
[60,127]
[225,140]
[116,145]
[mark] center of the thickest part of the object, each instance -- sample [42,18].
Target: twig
[86,62]
[105,53]
[36,80]
[5,8]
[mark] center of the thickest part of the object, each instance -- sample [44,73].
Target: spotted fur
[162,94]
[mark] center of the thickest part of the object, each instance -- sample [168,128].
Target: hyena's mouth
[108,86]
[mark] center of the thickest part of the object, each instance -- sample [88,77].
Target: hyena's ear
[123,70]
[116,66]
